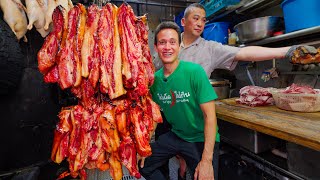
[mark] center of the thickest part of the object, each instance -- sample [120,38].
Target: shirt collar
[196,42]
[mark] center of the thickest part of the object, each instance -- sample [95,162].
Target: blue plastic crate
[308,15]
[217,31]
[177,19]
[213,6]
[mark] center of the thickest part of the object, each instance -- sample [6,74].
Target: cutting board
[297,127]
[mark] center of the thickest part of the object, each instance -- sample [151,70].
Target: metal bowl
[221,87]
[258,28]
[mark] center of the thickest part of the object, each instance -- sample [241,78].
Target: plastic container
[217,31]
[296,102]
[177,19]
[300,14]
[213,6]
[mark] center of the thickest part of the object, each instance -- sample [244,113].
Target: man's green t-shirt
[180,96]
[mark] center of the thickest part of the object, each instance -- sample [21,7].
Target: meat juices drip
[102,56]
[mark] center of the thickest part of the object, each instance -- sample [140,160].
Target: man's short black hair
[190,7]
[166,25]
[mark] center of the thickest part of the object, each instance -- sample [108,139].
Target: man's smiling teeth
[167,54]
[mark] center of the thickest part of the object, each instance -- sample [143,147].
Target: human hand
[204,171]
[303,54]
[141,159]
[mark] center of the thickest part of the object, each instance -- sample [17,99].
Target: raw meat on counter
[298,98]
[255,96]
[298,89]
[102,56]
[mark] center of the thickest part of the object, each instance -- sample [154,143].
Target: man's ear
[183,21]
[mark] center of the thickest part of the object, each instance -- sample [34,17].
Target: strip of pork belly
[128,156]
[76,118]
[79,41]
[141,79]
[115,166]
[140,132]
[130,45]
[47,53]
[61,136]
[91,144]
[52,76]
[108,125]
[122,118]
[155,109]
[146,56]
[69,63]
[81,27]
[87,49]
[94,60]
[147,113]
[94,65]
[109,45]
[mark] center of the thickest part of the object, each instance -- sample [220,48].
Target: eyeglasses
[163,42]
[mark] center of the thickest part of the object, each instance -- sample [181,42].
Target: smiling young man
[185,96]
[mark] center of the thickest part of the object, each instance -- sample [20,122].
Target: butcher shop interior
[77,79]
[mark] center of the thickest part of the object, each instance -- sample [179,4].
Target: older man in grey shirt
[209,54]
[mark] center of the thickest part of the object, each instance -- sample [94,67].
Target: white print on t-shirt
[174,97]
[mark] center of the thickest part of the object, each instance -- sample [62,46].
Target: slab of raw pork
[255,96]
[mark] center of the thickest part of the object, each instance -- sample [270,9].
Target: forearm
[210,129]
[257,53]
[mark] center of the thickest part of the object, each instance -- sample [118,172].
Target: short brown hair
[166,25]
[190,7]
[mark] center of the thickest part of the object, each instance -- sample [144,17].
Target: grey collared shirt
[210,55]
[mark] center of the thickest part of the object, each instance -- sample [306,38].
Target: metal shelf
[316,73]
[257,5]
[309,36]
[253,6]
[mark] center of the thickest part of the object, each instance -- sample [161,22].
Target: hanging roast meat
[47,53]
[146,56]
[90,40]
[109,45]
[69,66]
[115,114]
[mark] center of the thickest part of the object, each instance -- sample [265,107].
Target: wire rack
[95,174]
